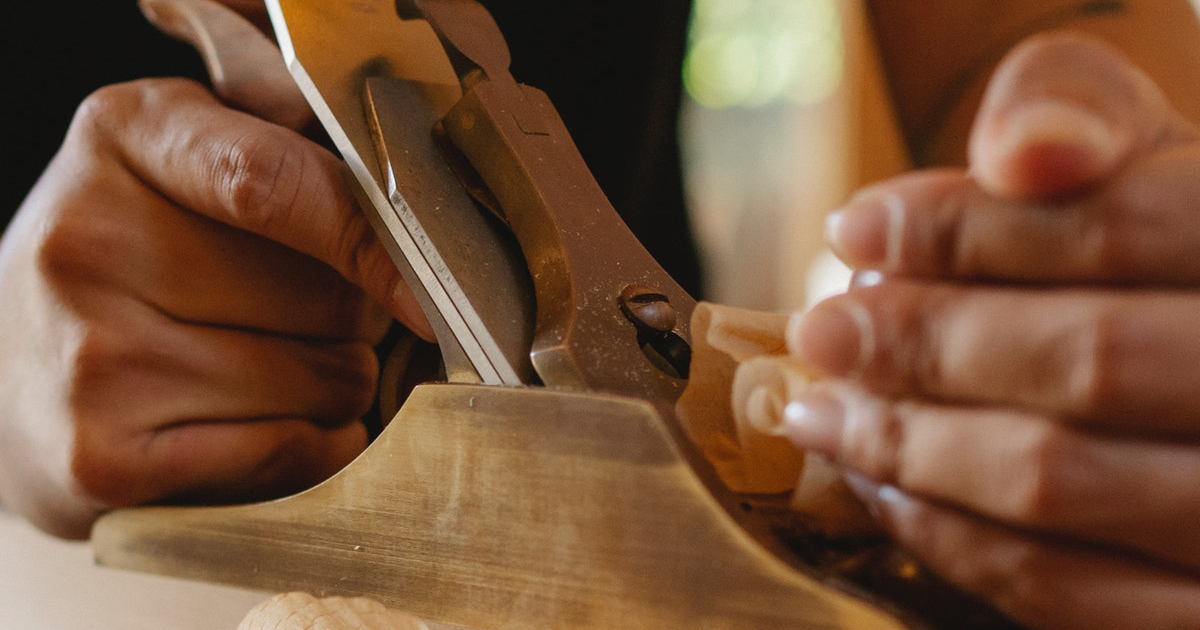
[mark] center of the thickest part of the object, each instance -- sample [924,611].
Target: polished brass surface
[513,508]
[402,122]
[580,254]
[648,309]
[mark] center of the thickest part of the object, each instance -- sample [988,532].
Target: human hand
[189,303]
[1016,395]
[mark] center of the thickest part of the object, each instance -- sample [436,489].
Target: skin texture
[1015,392]
[190,304]
[190,299]
[938,56]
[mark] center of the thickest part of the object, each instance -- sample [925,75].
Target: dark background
[611,68]
[55,54]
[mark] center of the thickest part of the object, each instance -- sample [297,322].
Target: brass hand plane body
[548,485]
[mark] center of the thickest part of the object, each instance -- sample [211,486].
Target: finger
[178,372]
[213,462]
[238,462]
[254,10]
[1045,585]
[193,268]
[1063,112]
[1124,360]
[1012,466]
[246,68]
[1140,226]
[254,176]
[213,405]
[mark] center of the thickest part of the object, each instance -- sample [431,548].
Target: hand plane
[547,484]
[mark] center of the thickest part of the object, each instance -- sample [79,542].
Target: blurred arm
[938,55]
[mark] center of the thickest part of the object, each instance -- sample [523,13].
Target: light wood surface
[301,611]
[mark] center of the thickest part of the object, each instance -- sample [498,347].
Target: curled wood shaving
[742,379]
[301,611]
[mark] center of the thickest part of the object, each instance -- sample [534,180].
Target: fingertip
[1046,148]
[835,336]
[239,461]
[347,443]
[1061,114]
[815,422]
[305,456]
[866,233]
[407,310]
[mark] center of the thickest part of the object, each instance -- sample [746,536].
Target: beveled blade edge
[401,231]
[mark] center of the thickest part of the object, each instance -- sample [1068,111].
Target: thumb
[248,73]
[1062,113]
[247,70]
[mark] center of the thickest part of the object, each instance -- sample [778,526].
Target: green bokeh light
[752,53]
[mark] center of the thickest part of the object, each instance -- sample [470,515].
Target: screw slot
[648,308]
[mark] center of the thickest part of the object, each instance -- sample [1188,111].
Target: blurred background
[785,114]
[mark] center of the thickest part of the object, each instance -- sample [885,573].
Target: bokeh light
[753,53]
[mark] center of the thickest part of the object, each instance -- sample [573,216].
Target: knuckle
[357,253]
[351,373]
[78,246]
[101,360]
[110,366]
[1040,495]
[1091,365]
[102,113]
[873,438]
[99,468]
[1056,49]
[924,342]
[1108,235]
[1023,582]
[101,472]
[95,361]
[959,254]
[102,109]
[259,180]
[61,255]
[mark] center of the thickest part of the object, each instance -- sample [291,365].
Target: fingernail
[835,336]
[420,325]
[150,10]
[866,232]
[171,17]
[814,422]
[867,278]
[881,500]
[1059,122]
[765,411]
[1046,147]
